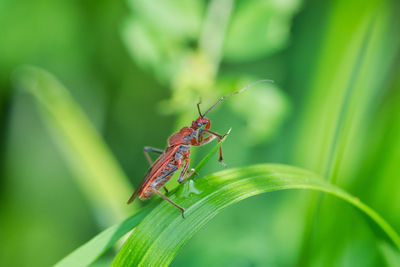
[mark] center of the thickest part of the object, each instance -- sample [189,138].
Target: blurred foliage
[99,176]
[136,69]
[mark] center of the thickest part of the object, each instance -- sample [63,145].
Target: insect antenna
[234,93]
[198,108]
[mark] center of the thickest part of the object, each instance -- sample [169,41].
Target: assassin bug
[177,154]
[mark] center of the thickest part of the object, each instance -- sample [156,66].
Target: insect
[177,154]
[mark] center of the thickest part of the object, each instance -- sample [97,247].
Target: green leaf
[93,249]
[97,172]
[161,234]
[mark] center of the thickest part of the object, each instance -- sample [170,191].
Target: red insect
[177,154]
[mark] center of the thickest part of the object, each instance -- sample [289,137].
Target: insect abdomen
[166,173]
[160,180]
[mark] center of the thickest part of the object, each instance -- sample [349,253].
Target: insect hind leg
[148,149]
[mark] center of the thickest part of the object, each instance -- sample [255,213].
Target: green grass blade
[161,234]
[94,248]
[97,172]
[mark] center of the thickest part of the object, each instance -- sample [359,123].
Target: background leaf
[97,172]
[259,28]
[94,248]
[346,91]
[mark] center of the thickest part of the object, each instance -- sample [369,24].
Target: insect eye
[199,124]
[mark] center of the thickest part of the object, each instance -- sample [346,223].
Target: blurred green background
[133,72]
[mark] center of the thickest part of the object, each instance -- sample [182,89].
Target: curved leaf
[158,238]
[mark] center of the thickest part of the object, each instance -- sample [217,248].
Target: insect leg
[219,136]
[182,176]
[170,201]
[148,149]
[187,175]
[169,173]
[166,190]
[201,141]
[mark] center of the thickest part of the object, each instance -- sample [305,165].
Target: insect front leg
[201,140]
[148,149]
[211,137]
[187,175]
[219,136]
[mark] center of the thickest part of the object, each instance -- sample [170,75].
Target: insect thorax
[188,138]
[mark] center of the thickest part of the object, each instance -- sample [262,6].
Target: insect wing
[139,187]
[154,170]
